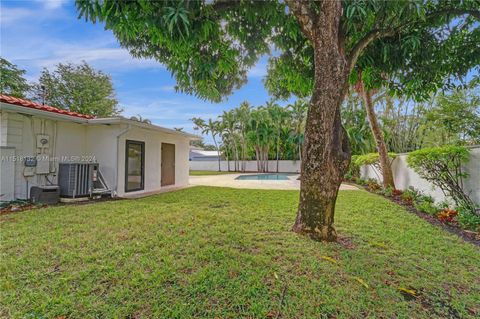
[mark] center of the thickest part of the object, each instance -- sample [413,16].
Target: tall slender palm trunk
[278,148]
[218,152]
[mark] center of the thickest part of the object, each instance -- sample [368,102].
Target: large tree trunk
[326,151]
[379,139]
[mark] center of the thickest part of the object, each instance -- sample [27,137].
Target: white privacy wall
[251,166]
[405,177]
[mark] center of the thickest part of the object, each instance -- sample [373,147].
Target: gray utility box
[77,179]
[45,194]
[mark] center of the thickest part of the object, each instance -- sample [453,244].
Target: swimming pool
[269,177]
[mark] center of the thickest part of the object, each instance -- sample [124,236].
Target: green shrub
[373,185]
[442,166]
[444,204]
[468,220]
[388,191]
[372,159]
[353,171]
[421,202]
[426,207]
[362,181]
[409,195]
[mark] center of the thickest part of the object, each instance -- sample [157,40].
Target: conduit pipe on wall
[117,158]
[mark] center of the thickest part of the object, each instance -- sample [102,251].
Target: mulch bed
[20,206]
[466,235]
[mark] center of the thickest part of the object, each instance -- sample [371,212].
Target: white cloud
[38,49]
[37,53]
[259,70]
[11,16]
[52,4]
[109,58]
[174,112]
[167,88]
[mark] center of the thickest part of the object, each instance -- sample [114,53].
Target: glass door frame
[142,182]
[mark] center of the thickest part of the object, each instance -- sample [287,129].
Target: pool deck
[228,180]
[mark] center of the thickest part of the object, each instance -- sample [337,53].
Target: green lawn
[204,173]
[208,252]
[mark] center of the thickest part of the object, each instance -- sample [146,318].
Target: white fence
[250,166]
[405,177]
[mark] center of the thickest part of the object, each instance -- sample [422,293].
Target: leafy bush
[397,192]
[391,192]
[442,166]
[468,220]
[353,172]
[420,201]
[447,215]
[362,181]
[373,185]
[409,195]
[426,207]
[372,159]
[388,191]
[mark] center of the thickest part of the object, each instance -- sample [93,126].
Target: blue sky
[37,34]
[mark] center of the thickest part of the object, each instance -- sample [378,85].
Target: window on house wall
[134,166]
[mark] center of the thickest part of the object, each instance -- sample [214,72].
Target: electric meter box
[43,165]
[43,141]
[30,161]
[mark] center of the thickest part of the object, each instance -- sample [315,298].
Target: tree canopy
[210,45]
[79,88]
[12,80]
[418,48]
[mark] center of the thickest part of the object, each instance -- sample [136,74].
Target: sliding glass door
[134,166]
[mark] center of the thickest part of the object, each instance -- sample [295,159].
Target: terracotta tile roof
[26,103]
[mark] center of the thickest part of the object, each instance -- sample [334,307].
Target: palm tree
[243,115]
[229,131]
[277,115]
[299,115]
[210,127]
[266,136]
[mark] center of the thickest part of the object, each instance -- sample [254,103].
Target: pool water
[269,177]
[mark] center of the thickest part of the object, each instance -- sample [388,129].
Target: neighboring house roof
[26,106]
[205,153]
[42,107]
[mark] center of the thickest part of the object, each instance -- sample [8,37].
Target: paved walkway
[228,180]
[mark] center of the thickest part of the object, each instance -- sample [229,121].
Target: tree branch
[454,11]
[363,43]
[225,4]
[305,16]
[378,34]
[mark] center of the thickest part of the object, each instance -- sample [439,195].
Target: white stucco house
[39,142]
